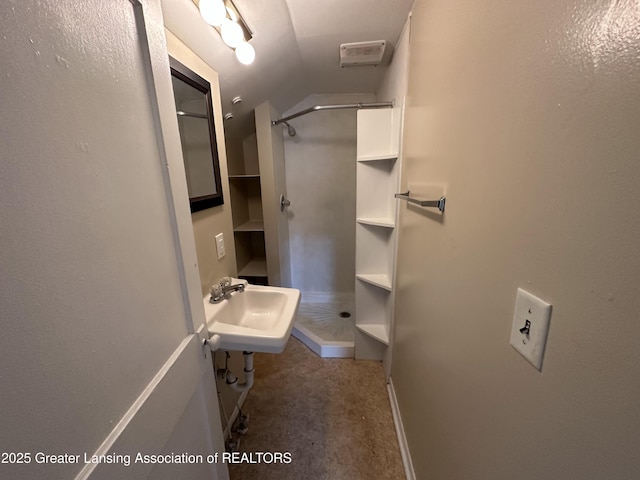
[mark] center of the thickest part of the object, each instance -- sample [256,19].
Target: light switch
[530,326]
[220,245]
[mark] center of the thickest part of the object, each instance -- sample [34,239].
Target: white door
[100,299]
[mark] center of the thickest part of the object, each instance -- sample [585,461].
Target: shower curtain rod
[316,108]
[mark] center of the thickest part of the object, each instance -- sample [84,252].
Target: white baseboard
[402,439]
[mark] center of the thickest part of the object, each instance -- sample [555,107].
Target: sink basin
[259,319]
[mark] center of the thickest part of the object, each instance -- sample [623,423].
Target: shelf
[255,268]
[250,226]
[376,222]
[244,176]
[378,134]
[376,183]
[375,158]
[378,332]
[377,176]
[374,254]
[377,280]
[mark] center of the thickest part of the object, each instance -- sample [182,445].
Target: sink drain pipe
[232,380]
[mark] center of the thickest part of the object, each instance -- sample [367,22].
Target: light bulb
[213,12]
[232,15]
[245,53]
[232,33]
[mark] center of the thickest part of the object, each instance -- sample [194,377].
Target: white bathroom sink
[259,319]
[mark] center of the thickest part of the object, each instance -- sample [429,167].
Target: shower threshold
[325,324]
[323,348]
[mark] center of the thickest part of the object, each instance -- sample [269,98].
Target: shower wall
[321,183]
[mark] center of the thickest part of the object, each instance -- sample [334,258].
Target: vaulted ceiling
[297,49]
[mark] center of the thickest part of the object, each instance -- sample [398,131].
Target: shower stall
[293,199]
[320,167]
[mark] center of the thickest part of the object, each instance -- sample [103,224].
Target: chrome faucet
[223,290]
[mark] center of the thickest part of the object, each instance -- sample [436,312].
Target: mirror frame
[191,78]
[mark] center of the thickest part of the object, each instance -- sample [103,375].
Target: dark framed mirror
[198,137]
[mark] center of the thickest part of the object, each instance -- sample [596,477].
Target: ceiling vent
[361,53]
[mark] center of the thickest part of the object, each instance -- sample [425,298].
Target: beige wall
[394,83]
[529,113]
[210,222]
[270,153]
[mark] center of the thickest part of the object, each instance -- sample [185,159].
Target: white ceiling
[296,43]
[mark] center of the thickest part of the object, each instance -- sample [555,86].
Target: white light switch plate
[530,326]
[220,245]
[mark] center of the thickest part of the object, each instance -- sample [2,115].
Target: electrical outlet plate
[220,245]
[530,326]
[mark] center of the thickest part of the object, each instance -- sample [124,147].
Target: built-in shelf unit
[377,180]
[256,182]
[246,207]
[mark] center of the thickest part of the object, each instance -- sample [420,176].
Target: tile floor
[331,415]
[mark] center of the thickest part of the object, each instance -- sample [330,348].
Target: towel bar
[439,204]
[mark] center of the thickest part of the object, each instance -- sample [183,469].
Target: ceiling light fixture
[225,18]
[245,53]
[213,12]
[231,33]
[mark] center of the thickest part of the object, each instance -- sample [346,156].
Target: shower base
[325,323]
